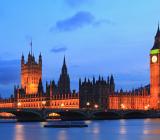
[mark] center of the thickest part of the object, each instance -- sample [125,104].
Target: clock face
[154,59]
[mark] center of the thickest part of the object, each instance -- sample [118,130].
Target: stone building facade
[31,73]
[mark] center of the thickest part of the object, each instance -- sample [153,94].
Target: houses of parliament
[95,93]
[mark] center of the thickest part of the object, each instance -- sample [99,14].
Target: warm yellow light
[19,104]
[4,114]
[147,107]
[32,88]
[43,102]
[88,103]
[122,106]
[96,106]
[62,105]
[54,115]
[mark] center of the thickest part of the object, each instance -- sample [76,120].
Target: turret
[22,60]
[112,84]
[51,90]
[29,58]
[40,86]
[31,72]
[108,81]
[40,59]
[94,80]
[99,78]
[79,82]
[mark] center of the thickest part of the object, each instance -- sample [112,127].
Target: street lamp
[43,103]
[95,106]
[62,105]
[19,104]
[122,106]
[88,104]
[147,107]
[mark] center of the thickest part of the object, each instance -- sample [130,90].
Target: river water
[133,129]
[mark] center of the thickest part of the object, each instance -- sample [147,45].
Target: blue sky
[97,36]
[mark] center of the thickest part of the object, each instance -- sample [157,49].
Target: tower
[64,80]
[155,72]
[31,73]
[112,84]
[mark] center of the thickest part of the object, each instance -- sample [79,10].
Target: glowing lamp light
[54,115]
[147,107]
[122,106]
[95,106]
[32,88]
[88,103]
[19,104]
[43,102]
[62,105]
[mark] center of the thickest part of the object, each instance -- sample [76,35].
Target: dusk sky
[98,37]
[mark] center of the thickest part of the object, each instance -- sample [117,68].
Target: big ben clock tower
[155,72]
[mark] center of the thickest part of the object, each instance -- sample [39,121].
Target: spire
[99,78]
[64,67]
[64,61]
[157,39]
[40,86]
[22,54]
[112,84]
[31,46]
[64,80]
[85,80]
[158,31]
[79,82]
[40,55]
[94,80]
[40,59]
[22,59]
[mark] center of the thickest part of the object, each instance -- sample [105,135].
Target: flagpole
[31,46]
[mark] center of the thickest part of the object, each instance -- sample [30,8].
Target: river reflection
[19,132]
[140,129]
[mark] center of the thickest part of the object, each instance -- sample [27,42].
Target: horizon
[121,45]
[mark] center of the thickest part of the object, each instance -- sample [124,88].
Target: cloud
[79,20]
[9,71]
[75,3]
[59,49]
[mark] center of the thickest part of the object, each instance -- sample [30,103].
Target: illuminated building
[132,100]
[64,80]
[155,72]
[32,95]
[146,98]
[95,94]
[31,73]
